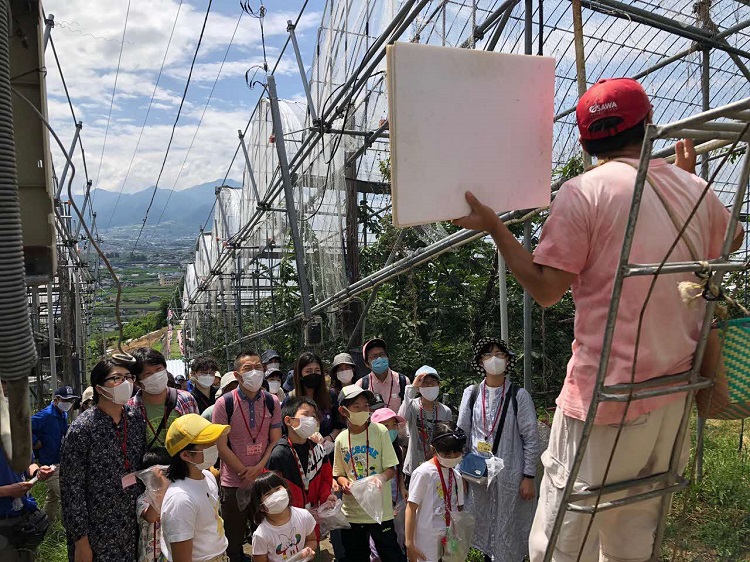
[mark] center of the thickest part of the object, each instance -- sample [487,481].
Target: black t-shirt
[202,400]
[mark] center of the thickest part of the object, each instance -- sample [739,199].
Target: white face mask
[495,365]
[64,406]
[205,380]
[273,367]
[210,456]
[430,392]
[307,426]
[156,383]
[252,380]
[120,394]
[276,502]
[449,463]
[358,418]
[345,376]
[274,386]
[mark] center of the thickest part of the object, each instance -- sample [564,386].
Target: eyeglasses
[382,355]
[490,355]
[119,379]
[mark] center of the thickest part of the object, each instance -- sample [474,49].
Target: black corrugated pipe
[17,349]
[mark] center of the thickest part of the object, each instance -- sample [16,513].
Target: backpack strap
[401,386]
[512,391]
[169,405]
[366,383]
[472,401]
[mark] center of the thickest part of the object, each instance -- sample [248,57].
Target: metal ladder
[715,128]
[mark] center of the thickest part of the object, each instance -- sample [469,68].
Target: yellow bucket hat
[192,429]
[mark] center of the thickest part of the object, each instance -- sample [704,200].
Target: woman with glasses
[100,453]
[499,420]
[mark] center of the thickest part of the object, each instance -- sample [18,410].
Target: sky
[87,36]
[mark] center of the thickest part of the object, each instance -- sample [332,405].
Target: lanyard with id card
[254,449]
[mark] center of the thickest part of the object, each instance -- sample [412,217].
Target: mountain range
[186,210]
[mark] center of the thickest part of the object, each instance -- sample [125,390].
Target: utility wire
[174,126]
[200,121]
[145,119]
[111,103]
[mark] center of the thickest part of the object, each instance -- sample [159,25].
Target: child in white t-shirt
[283,532]
[191,527]
[435,491]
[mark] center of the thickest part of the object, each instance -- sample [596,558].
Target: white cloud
[88,44]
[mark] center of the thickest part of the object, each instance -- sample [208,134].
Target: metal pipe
[302,74]
[575,6]
[249,168]
[636,270]
[726,111]
[299,251]
[60,185]
[49,23]
[492,43]
[51,336]
[527,319]
[638,15]
[502,282]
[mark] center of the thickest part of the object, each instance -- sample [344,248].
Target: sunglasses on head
[459,434]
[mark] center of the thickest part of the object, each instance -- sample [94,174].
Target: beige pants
[52,503]
[623,534]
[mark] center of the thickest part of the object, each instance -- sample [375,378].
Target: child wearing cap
[190,523]
[435,492]
[421,414]
[365,449]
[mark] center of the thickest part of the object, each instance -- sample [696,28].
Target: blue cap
[427,370]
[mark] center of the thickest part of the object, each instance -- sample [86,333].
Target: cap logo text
[599,107]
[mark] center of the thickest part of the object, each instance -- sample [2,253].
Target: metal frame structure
[325,157]
[62,310]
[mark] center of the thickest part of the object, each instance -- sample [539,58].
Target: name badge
[484,447]
[255,449]
[128,480]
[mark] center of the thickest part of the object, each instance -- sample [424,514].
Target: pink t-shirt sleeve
[565,240]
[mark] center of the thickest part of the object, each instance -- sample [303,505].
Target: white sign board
[464,120]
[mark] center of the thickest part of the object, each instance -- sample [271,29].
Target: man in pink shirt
[580,248]
[382,379]
[254,417]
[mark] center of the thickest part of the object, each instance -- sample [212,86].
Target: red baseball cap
[612,97]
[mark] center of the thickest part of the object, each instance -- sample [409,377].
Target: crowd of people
[261,464]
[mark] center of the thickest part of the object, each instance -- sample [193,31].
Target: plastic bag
[300,557]
[156,484]
[458,537]
[330,518]
[399,521]
[369,495]
[494,466]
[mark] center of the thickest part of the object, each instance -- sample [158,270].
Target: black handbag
[30,530]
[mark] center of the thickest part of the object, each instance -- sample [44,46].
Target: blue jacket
[48,427]
[7,477]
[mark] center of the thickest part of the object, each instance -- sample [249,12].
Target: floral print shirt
[94,460]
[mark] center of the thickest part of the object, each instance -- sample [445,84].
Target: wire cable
[145,119]
[174,126]
[111,103]
[200,121]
